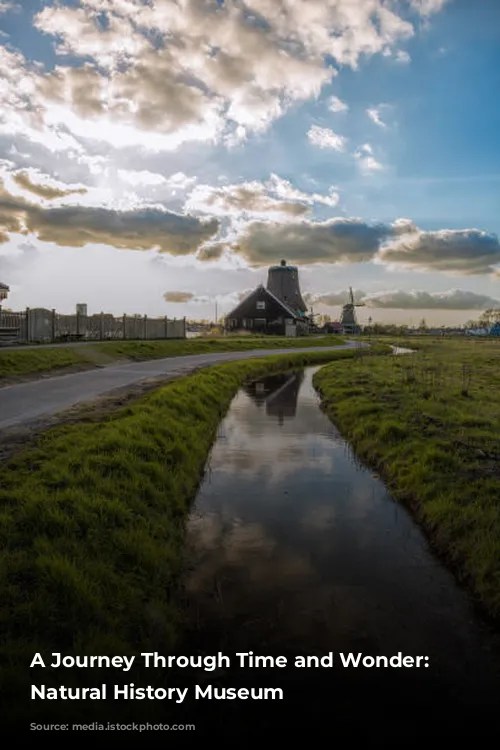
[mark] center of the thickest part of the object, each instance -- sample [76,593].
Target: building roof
[286,309]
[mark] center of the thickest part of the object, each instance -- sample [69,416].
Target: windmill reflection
[279,393]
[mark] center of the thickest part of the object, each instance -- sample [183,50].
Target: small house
[264,313]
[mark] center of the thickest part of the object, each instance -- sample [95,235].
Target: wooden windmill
[348,318]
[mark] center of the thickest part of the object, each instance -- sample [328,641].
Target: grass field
[42,360]
[430,424]
[92,519]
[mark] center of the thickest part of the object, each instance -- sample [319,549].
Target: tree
[490,317]
[422,325]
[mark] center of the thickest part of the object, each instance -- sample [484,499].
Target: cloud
[374,115]
[337,105]
[401,56]
[276,196]
[195,71]
[245,198]
[352,240]
[326,138]
[428,7]
[460,251]
[6,6]
[337,240]
[333,299]
[145,228]
[210,252]
[178,296]
[44,190]
[141,178]
[452,299]
[366,160]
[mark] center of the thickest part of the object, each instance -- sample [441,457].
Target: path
[23,403]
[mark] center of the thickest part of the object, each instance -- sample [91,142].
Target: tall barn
[277,308]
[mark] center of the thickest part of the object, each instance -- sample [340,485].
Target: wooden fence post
[101,326]
[28,332]
[53,332]
[145,327]
[184,326]
[124,326]
[166,327]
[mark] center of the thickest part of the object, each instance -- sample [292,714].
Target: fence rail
[41,326]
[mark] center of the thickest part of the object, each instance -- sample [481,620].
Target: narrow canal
[294,548]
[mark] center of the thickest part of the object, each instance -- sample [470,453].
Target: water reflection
[296,548]
[279,394]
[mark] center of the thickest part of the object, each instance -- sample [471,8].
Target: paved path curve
[23,403]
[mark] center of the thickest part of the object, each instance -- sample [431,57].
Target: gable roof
[261,288]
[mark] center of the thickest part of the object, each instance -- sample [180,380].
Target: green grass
[27,361]
[430,424]
[92,520]
[41,360]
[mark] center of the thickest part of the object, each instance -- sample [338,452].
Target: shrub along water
[430,424]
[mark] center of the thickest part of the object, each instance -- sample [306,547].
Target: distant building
[4,291]
[333,326]
[495,329]
[275,309]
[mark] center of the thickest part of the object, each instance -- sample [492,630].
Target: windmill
[348,318]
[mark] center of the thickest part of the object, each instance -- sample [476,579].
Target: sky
[156,156]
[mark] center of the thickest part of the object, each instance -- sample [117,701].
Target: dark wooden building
[263,312]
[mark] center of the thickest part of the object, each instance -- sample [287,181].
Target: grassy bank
[46,359]
[429,423]
[92,519]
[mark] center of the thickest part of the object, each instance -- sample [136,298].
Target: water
[295,548]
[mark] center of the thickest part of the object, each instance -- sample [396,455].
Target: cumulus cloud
[452,299]
[401,56]
[7,6]
[461,251]
[141,178]
[145,228]
[338,240]
[275,196]
[178,296]
[352,240]
[366,160]
[44,189]
[192,70]
[211,251]
[337,105]
[428,7]
[246,198]
[333,299]
[326,138]
[375,116]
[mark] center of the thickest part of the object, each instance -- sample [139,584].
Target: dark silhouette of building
[277,308]
[278,393]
